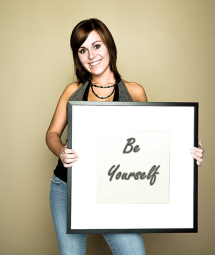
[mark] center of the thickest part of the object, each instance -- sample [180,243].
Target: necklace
[103,87]
[92,85]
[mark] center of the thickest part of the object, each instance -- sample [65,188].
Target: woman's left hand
[197,153]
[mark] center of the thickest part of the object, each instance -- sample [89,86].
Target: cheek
[106,54]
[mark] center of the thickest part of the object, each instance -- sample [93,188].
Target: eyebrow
[92,44]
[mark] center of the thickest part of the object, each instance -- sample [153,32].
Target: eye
[97,46]
[82,51]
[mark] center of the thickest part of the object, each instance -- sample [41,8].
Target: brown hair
[80,34]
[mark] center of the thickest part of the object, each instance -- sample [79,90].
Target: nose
[91,54]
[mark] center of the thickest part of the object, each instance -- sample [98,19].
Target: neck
[103,79]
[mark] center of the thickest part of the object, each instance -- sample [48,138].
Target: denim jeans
[75,244]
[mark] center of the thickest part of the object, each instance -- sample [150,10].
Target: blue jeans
[75,244]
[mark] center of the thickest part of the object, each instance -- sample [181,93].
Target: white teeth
[93,64]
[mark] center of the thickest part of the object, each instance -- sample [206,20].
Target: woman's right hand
[68,156]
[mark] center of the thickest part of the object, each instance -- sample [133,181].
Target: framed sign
[135,172]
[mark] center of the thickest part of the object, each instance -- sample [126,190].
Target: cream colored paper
[150,151]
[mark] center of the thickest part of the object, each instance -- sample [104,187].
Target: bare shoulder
[69,90]
[59,119]
[136,91]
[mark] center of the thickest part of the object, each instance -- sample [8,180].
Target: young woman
[98,79]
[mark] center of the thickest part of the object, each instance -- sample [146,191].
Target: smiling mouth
[95,63]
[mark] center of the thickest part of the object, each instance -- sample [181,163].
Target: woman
[95,55]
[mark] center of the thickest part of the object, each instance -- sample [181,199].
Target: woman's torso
[121,94]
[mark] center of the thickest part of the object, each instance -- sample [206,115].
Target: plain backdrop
[167,46]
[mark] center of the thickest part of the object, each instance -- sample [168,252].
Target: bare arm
[59,122]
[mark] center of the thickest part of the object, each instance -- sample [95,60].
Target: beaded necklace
[92,85]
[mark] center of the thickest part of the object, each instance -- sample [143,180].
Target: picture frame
[103,201]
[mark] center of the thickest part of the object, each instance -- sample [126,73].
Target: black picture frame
[189,111]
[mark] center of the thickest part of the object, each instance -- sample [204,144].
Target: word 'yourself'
[138,175]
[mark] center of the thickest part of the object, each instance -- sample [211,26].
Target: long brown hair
[80,34]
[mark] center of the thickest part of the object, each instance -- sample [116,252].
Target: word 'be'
[129,144]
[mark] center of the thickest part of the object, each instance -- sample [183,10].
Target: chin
[97,72]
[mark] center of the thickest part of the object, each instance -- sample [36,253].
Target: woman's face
[94,55]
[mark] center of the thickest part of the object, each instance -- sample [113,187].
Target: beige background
[167,46]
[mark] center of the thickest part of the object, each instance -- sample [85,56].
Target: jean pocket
[56,180]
